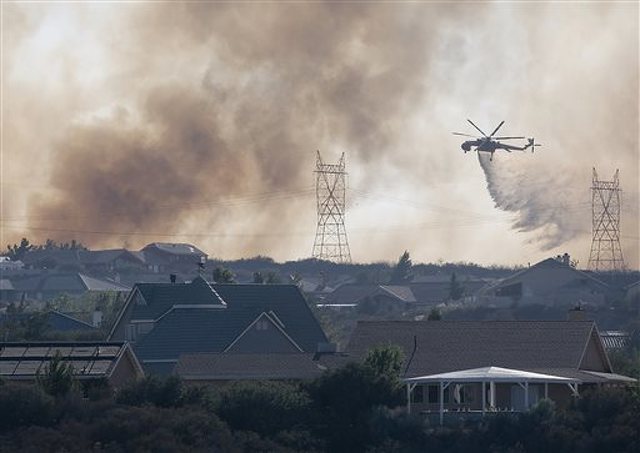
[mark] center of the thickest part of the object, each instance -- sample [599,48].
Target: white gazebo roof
[491,374]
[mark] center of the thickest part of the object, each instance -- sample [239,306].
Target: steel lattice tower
[331,236]
[606,253]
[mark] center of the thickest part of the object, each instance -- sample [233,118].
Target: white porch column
[484,397]
[408,398]
[441,403]
[526,395]
[492,394]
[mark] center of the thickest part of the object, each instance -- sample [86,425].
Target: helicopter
[489,143]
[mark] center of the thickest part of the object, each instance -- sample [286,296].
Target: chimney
[172,277]
[576,313]
[96,318]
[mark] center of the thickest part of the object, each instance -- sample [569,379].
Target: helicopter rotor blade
[508,138]
[464,135]
[496,130]
[471,122]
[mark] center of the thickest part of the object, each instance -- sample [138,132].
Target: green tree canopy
[402,271]
[223,275]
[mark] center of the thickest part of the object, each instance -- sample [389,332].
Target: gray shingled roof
[65,282]
[444,346]
[191,330]
[175,248]
[160,297]
[248,366]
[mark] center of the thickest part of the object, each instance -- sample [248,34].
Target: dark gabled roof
[63,322]
[161,297]
[349,294]
[105,256]
[444,346]
[248,366]
[60,256]
[65,282]
[551,263]
[56,321]
[403,293]
[23,360]
[191,330]
[174,248]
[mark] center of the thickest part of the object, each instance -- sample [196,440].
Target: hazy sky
[126,123]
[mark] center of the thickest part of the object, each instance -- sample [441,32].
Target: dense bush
[347,409]
[266,408]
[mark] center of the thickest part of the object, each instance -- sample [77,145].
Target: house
[221,368]
[114,361]
[371,298]
[45,286]
[108,261]
[550,282]
[7,292]
[166,320]
[7,264]
[450,365]
[55,322]
[53,258]
[162,256]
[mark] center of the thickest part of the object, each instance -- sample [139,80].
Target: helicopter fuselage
[481,145]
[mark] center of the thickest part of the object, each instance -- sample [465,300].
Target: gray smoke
[167,118]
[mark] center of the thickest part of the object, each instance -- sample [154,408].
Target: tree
[16,252]
[385,361]
[222,275]
[57,378]
[402,272]
[345,398]
[258,278]
[456,290]
[273,278]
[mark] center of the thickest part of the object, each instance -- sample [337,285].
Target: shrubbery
[348,409]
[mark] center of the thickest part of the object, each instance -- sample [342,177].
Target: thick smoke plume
[199,122]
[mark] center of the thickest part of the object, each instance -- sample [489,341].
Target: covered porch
[485,382]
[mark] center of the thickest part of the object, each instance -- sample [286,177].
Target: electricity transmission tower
[331,236]
[606,253]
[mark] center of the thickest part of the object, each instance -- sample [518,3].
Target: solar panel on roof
[8,367]
[28,367]
[82,351]
[36,351]
[108,351]
[13,351]
[100,367]
[64,351]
